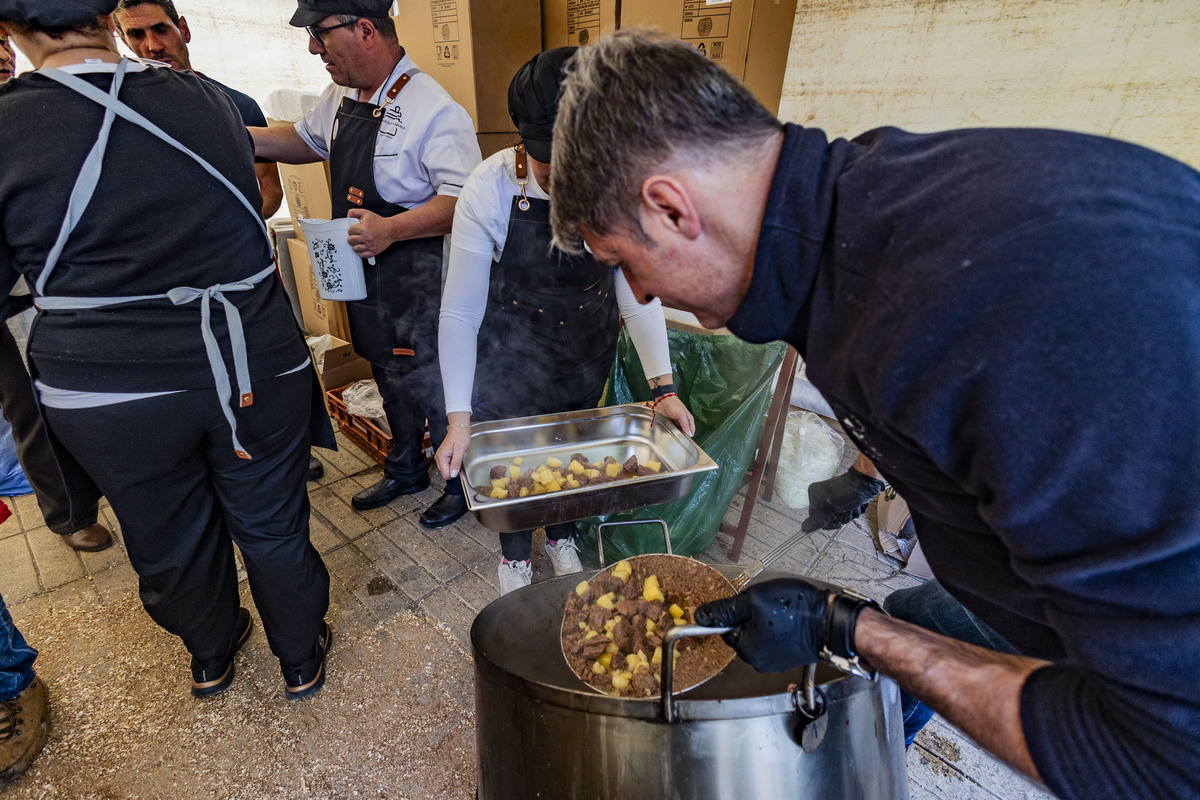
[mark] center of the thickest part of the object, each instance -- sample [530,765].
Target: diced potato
[651,590]
[612,470]
[622,570]
[554,486]
[572,483]
[657,657]
[621,679]
[606,601]
[499,483]
[650,626]
[581,588]
[583,626]
[599,668]
[593,473]
[514,472]
[523,493]
[606,659]
[576,467]
[499,494]
[518,461]
[589,635]
[612,648]
[675,611]
[539,489]
[654,465]
[553,463]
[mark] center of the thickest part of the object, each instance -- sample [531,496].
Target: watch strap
[841,615]
[662,390]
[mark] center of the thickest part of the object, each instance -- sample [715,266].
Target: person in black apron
[549,332]
[389,159]
[164,352]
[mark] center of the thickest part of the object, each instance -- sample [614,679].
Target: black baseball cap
[533,99]
[54,13]
[310,12]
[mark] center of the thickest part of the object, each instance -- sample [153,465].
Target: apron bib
[395,326]
[551,318]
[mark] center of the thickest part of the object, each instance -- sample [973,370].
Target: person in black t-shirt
[154,29]
[1007,324]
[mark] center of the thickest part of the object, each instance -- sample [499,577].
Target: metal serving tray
[618,431]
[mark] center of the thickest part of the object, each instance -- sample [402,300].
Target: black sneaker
[24,728]
[211,678]
[308,681]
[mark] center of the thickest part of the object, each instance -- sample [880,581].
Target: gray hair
[632,103]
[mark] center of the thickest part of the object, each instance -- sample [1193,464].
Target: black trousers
[182,495]
[66,496]
[409,399]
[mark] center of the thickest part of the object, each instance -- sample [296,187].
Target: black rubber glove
[835,501]
[777,624]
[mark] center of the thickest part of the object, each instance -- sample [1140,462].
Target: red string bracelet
[653,405]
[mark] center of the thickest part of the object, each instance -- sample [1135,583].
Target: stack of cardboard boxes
[474,47]
[750,38]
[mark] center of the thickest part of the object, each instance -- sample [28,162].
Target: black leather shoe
[208,679]
[307,682]
[445,509]
[315,468]
[384,492]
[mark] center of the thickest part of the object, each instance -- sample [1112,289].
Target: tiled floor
[396,717]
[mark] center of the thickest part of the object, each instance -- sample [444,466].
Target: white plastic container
[337,268]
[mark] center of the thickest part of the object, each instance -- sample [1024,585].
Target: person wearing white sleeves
[525,329]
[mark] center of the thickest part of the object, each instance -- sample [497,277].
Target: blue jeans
[931,607]
[16,657]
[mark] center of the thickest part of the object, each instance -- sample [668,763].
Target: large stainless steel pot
[540,733]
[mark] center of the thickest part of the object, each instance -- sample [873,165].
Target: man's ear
[184,32]
[668,205]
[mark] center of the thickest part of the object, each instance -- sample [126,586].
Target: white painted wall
[1123,68]
[248,46]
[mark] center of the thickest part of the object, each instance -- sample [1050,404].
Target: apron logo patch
[393,121]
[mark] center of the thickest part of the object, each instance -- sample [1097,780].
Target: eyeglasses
[316,32]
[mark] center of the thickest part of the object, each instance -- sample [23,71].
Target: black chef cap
[533,99]
[310,12]
[54,13]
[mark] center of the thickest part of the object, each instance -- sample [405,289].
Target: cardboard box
[320,315]
[306,189]
[472,48]
[341,366]
[750,38]
[491,143]
[577,23]
[767,51]
[281,232]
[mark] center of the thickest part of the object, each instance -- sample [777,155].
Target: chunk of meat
[628,608]
[593,648]
[631,465]
[624,635]
[644,684]
[597,616]
[498,471]
[618,660]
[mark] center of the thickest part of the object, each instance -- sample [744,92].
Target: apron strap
[81,196]
[114,106]
[522,167]
[400,83]
[85,183]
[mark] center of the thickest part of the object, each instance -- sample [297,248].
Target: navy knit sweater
[1007,322]
[157,221]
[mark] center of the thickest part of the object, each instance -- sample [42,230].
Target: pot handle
[669,711]
[622,523]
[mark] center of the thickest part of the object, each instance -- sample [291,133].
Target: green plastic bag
[726,384]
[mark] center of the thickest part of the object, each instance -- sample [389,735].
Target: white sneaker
[564,556]
[514,574]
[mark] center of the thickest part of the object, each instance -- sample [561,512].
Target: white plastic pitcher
[337,268]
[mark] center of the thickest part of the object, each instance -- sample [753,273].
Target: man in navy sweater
[1007,323]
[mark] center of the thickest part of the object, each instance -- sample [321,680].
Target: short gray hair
[631,103]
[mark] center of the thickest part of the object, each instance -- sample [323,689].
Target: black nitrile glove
[777,624]
[835,501]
